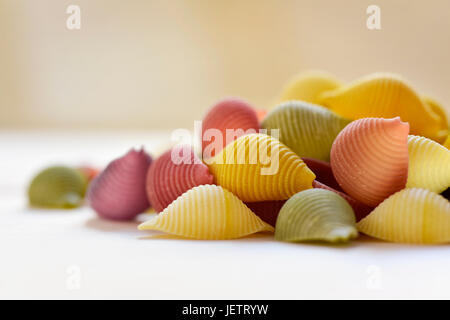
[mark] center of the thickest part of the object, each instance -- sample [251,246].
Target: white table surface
[73,254]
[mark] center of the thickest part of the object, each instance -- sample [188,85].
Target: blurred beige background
[161,64]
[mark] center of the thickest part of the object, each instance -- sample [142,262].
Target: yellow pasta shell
[429,164]
[258,167]
[307,86]
[207,212]
[385,95]
[411,216]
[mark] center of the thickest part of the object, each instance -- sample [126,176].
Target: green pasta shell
[316,215]
[57,187]
[308,129]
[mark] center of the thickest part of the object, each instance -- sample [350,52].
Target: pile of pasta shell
[331,159]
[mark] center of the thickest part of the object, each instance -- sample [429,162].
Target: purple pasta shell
[118,192]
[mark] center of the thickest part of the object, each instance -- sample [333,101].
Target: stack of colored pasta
[329,161]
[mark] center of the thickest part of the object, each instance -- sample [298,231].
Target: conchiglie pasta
[57,187]
[387,96]
[309,130]
[316,215]
[258,167]
[369,159]
[224,122]
[118,192]
[429,164]
[308,86]
[173,173]
[411,216]
[360,209]
[207,212]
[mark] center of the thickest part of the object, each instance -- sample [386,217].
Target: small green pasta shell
[309,130]
[316,215]
[57,187]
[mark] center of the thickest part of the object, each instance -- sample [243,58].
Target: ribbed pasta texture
[228,114]
[258,167]
[172,174]
[309,85]
[411,216]
[369,159]
[323,172]
[57,187]
[309,130]
[429,164]
[316,215]
[385,95]
[118,192]
[360,209]
[207,212]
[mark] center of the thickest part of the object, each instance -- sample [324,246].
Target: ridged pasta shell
[172,174]
[309,130]
[207,212]
[258,167]
[429,164]
[385,95]
[228,114]
[57,187]
[316,215]
[360,209]
[267,210]
[118,192]
[307,86]
[410,216]
[369,159]
[323,172]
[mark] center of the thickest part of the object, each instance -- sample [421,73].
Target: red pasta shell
[369,158]
[230,113]
[168,179]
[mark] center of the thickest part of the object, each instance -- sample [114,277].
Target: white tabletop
[73,254]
